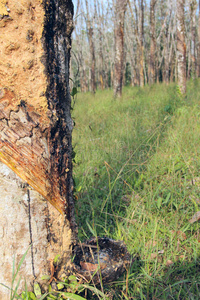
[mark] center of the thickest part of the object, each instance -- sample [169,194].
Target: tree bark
[90,34]
[181,46]
[120,8]
[152,65]
[35,136]
[141,44]
[100,21]
[167,50]
[135,60]
[198,51]
[81,63]
[193,8]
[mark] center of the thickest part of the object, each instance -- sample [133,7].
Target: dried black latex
[101,259]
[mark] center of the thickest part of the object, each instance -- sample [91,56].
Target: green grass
[137,179]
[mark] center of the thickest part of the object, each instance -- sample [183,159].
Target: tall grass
[137,179]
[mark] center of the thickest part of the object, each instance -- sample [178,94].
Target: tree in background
[100,29]
[141,43]
[198,48]
[120,9]
[152,59]
[79,67]
[181,46]
[149,36]
[90,34]
[193,8]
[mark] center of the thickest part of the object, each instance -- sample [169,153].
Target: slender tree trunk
[193,8]
[137,34]
[141,45]
[100,21]
[101,61]
[83,81]
[92,51]
[35,137]
[198,51]
[80,49]
[173,58]
[181,46]
[189,59]
[120,8]
[152,67]
[82,71]
[130,41]
[93,62]
[167,52]
[135,60]
[172,70]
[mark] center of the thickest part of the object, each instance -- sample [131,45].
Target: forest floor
[137,179]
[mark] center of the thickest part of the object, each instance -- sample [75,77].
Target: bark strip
[57,44]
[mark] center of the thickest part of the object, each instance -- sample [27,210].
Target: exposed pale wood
[27,218]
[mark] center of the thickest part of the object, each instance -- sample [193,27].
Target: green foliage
[74,91]
[137,179]
[128,74]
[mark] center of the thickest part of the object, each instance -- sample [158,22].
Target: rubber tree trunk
[152,65]
[35,137]
[100,25]
[90,34]
[141,44]
[120,9]
[181,46]
[198,49]
[193,8]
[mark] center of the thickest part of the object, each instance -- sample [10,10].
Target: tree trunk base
[31,223]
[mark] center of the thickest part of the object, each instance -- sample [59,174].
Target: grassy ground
[137,179]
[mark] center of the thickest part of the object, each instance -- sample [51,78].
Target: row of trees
[135,42]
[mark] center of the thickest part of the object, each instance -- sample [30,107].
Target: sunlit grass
[137,179]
